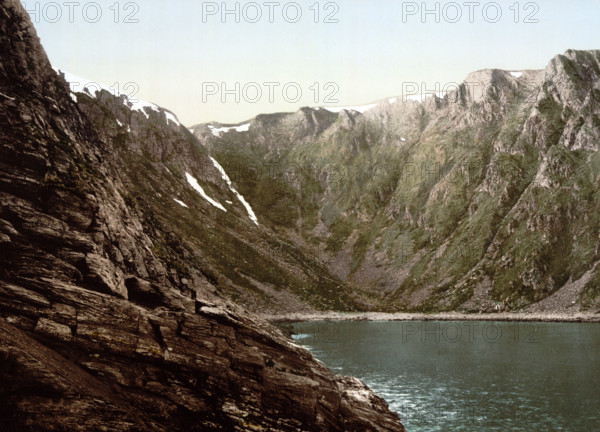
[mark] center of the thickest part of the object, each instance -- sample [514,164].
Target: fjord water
[470,376]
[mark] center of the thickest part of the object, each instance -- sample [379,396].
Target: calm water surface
[470,376]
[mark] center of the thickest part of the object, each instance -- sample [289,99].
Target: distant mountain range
[482,199]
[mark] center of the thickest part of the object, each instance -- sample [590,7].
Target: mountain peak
[93,89]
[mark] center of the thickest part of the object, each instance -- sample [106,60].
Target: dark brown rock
[100,327]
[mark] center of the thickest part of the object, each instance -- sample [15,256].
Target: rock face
[485,199]
[110,319]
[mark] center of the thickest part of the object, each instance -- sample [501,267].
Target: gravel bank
[448,316]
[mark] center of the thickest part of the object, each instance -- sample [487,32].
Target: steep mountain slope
[111,318]
[484,199]
[171,177]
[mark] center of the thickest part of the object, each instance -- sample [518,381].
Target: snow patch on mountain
[517,74]
[78,84]
[359,108]
[218,131]
[227,180]
[194,184]
[171,117]
[181,203]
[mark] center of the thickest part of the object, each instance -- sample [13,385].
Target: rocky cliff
[482,199]
[113,317]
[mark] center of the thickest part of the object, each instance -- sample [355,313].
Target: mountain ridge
[388,184]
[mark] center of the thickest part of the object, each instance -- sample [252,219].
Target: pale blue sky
[171,54]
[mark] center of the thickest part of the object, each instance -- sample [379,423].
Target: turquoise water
[470,376]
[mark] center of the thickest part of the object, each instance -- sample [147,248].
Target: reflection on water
[470,376]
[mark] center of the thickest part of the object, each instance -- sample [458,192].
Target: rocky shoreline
[445,316]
